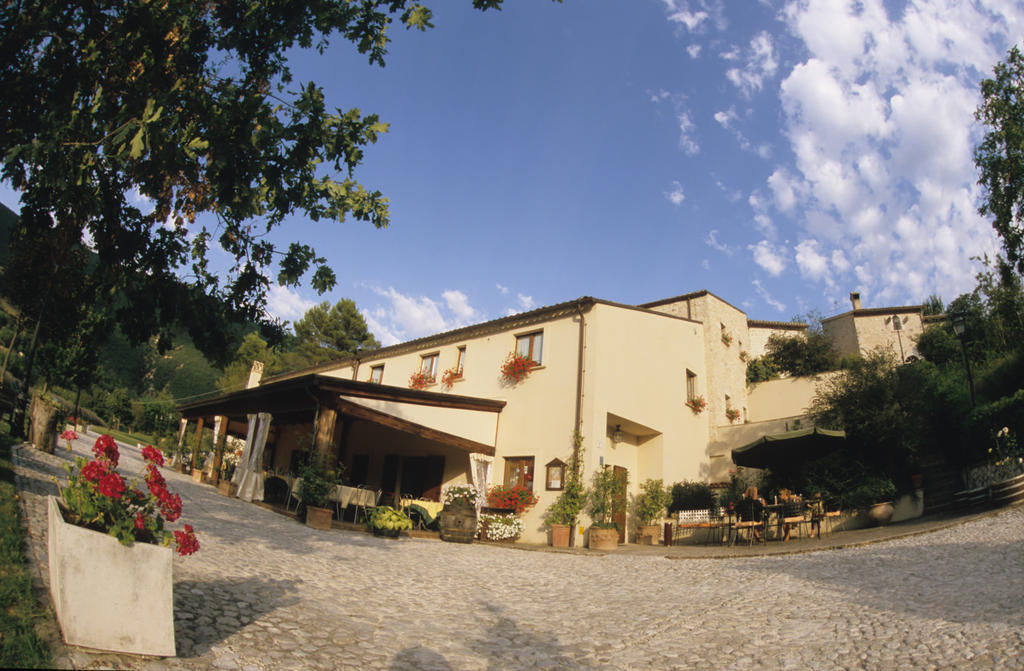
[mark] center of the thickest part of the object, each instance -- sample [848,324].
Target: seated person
[792,512]
[817,507]
[751,509]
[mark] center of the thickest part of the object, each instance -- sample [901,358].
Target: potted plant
[450,376]
[732,414]
[517,498]
[605,490]
[314,493]
[872,494]
[650,507]
[516,367]
[697,404]
[561,515]
[458,518]
[110,564]
[420,380]
[501,528]
[387,522]
[227,471]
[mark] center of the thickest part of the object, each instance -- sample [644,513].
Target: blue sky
[779,154]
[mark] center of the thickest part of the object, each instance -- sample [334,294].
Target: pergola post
[219,439]
[323,441]
[195,441]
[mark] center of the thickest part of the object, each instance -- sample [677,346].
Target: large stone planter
[107,595]
[227,488]
[604,539]
[197,475]
[881,513]
[647,534]
[318,518]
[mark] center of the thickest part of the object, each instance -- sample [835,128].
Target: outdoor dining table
[355,496]
[427,510]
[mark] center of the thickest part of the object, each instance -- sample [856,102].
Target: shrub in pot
[605,490]
[314,490]
[386,521]
[650,507]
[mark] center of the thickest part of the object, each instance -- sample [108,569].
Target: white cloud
[712,241]
[769,257]
[705,264]
[286,304]
[679,13]
[404,317]
[727,117]
[503,290]
[687,142]
[760,65]
[767,298]
[525,302]
[879,118]
[810,262]
[676,195]
[693,50]
[458,304]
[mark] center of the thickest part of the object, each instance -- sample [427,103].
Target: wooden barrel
[458,523]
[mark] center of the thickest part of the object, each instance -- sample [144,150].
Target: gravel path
[265,592]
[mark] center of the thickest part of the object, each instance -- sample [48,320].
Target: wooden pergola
[322,401]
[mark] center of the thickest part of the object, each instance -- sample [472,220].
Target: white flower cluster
[464,492]
[501,527]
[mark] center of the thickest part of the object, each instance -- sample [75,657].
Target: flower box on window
[732,414]
[727,339]
[517,367]
[697,404]
[420,380]
[450,376]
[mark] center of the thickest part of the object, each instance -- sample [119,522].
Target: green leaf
[138,145]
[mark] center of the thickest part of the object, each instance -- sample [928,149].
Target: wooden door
[619,506]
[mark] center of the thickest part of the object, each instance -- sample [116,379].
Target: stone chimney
[255,374]
[855,299]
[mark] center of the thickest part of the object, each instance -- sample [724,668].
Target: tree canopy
[1000,156]
[328,332]
[123,123]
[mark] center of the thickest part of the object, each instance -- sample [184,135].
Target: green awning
[791,447]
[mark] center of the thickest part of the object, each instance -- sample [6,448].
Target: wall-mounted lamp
[617,434]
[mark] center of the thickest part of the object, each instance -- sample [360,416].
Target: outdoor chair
[751,519]
[716,522]
[362,504]
[793,515]
[293,493]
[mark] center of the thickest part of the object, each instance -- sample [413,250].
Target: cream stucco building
[631,379]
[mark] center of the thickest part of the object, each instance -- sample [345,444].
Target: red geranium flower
[186,541]
[106,447]
[154,478]
[111,485]
[94,470]
[140,521]
[150,453]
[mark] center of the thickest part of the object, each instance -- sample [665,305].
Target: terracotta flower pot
[197,475]
[560,535]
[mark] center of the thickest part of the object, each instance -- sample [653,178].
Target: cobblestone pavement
[265,592]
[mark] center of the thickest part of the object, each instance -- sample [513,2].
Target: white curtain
[251,486]
[246,451]
[480,471]
[181,432]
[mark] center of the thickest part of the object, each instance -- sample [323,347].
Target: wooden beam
[195,441]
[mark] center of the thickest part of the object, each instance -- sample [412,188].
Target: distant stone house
[861,330]
[656,390]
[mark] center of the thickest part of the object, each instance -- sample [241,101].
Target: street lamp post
[959,323]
